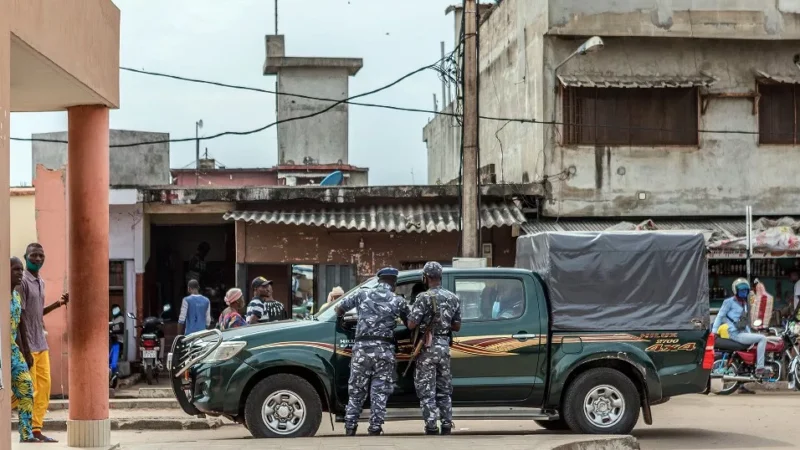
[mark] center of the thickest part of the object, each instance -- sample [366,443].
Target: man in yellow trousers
[33,311]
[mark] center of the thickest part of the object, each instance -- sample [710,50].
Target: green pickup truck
[589,364]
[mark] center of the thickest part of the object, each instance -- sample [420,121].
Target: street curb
[125,404]
[142,424]
[610,443]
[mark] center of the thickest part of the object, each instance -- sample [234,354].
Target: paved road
[696,422]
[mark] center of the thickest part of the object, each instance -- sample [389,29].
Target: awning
[636,81]
[408,218]
[714,229]
[764,76]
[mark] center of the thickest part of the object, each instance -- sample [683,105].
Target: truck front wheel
[601,401]
[283,406]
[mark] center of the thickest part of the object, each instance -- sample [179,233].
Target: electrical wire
[260,129]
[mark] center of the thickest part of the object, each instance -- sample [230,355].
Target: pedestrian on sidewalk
[264,308]
[195,310]
[32,290]
[21,382]
[231,316]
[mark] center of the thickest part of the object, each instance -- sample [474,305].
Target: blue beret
[388,272]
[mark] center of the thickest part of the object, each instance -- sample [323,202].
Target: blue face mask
[742,293]
[115,311]
[495,310]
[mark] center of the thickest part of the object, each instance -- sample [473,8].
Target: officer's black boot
[447,428]
[431,429]
[350,431]
[375,430]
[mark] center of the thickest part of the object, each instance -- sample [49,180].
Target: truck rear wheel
[601,401]
[283,406]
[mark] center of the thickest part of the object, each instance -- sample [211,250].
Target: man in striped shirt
[264,308]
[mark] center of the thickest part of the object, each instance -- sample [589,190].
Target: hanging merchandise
[761,304]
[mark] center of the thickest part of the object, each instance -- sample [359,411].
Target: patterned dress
[230,319]
[21,382]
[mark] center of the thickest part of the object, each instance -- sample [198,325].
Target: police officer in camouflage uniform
[373,363]
[439,311]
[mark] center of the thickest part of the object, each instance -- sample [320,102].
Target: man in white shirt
[791,308]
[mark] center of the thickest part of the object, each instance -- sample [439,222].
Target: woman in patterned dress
[21,382]
[231,317]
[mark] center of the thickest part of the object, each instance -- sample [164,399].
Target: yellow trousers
[40,374]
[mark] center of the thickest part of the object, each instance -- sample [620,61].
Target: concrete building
[133,165]
[23,227]
[688,110]
[322,139]
[57,56]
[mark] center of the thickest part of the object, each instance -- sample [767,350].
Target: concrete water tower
[322,139]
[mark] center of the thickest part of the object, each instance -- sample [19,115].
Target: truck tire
[283,406]
[601,401]
[553,425]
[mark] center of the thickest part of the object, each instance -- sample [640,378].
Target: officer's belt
[375,338]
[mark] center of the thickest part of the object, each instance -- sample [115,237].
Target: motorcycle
[736,363]
[115,329]
[793,356]
[151,343]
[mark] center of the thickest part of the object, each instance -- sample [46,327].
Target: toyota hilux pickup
[588,332]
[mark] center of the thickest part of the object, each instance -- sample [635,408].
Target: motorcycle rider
[735,312]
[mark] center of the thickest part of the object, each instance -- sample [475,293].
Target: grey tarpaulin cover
[621,281]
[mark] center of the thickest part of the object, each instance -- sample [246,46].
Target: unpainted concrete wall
[142,165]
[511,52]
[290,244]
[324,137]
[723,19]
[720,176]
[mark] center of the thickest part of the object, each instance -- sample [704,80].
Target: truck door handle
[523,335]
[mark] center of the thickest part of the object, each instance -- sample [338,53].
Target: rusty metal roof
[636,81]
[411,218]
[724,227]
[764,76]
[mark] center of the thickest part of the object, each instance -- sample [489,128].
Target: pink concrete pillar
[5,234]
[87,192]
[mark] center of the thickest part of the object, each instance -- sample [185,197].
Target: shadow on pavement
[694,438]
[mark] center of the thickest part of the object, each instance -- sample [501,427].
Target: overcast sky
[224,41]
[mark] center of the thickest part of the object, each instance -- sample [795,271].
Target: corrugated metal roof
[391,218]
[729,228]
[636,81]
[777,78]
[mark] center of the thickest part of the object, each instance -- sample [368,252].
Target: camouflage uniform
[373,362]
[432,377]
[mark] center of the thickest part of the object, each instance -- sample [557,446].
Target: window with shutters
[630,116]
[777,113]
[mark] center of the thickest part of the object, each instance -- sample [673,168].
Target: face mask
[115,311]
[495,310]
[167,308]
[742,293]
[33,267]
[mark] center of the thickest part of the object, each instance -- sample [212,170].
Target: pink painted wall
[227,179]
[52,228]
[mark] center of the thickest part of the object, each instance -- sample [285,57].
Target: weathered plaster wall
[52,228]
[289,244]
[324,137]
[23,223]
[151,161]
[723,19]
[721,176]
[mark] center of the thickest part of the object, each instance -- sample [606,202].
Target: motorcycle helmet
[741,288]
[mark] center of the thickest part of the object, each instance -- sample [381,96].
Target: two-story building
[686,114]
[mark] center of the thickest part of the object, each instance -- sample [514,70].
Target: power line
[349,101]
[260,129]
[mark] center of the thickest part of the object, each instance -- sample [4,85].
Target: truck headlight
[225,351]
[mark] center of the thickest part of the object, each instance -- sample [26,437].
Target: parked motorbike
[115,330]
[736,363]
[151,343]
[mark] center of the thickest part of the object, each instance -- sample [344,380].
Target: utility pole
[197,126]
[469,177]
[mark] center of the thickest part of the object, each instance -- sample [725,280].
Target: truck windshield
[328,311]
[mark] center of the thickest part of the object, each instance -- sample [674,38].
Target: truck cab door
[404,393]
[496,356]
